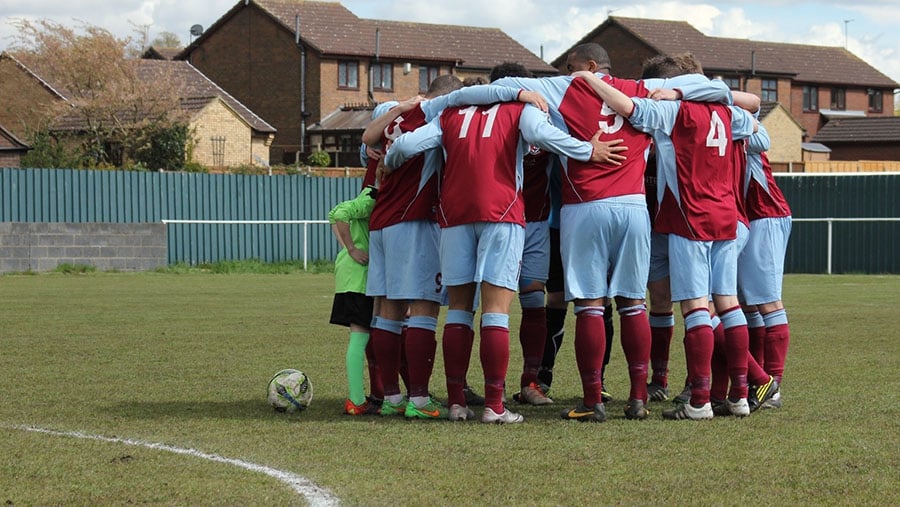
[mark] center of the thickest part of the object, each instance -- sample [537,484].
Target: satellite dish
[197,30]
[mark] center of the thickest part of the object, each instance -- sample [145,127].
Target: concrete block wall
[42,246]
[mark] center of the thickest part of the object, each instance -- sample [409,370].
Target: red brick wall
[257,62]
[626,53]
[8,159]
[864,151]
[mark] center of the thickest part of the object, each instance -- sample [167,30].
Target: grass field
[182,359]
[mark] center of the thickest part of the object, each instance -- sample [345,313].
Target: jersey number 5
[469,112]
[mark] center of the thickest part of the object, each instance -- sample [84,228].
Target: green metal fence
[843,223]
[262,203]
[61,195]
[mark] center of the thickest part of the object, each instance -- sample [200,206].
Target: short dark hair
[473,81]
[443,85]
[665,66]
[509,69]
[591,51]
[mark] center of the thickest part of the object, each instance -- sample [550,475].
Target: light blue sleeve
[552,88]
[695,87]
[759,141]
[654,116]
[412,143]
[470,95]
[742,123]
[363,156]
[536,129]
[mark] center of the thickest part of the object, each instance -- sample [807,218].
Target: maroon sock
[636,343]
[403,366]
[719,367]
[737,341]
[377,388]
[590,347]
[758,343]
[457,348]
[532,334]
[387,348]
[494,353]
[420,348]
[660,343]
[698,347]
[756,375]
[777,340]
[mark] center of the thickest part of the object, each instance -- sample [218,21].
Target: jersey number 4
[469,112]
[717,137]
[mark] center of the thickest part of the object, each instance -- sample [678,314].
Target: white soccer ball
[290,391]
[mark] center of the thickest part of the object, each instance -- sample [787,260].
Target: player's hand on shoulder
[535,99]
[665,94]
[607,152]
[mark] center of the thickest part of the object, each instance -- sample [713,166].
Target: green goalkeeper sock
[356,363]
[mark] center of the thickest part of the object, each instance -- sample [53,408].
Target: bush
[319,158]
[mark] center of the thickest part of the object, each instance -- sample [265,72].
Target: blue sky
[873,34]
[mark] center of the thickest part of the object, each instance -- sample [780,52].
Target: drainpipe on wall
[303,112]
[377,57]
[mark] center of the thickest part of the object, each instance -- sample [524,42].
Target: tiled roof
[331,29]
[862,130]
[805,63]
[9,142]
[345,118]
[156,53]
[192,84]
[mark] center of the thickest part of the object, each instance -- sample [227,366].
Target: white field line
[314,494]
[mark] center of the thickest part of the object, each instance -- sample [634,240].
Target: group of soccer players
[464,202]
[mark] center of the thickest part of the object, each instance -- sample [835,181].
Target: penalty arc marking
[314,494]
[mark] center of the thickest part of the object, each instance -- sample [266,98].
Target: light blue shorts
[743,235]
[700,268]
[482,252]
[605,247]
[659,256]
[536,255]
[761,263]
[404,261]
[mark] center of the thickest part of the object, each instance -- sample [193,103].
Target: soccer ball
[290,391]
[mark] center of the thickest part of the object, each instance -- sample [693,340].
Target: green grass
[182,358]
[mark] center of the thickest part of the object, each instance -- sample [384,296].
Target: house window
[769,90]
[348,74]
[876,101]
[426,76]
[733,83]
[810,98]
[383,76]
[838,99]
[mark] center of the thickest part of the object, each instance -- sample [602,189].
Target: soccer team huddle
[584,189]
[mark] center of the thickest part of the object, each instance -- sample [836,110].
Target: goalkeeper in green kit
[352,308]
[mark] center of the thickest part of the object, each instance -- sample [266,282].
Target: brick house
[862,138]
[226,132]
[785,133]
[813,83]
[11,149]
[295,62]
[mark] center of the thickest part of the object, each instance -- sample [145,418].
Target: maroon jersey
[739,157]
[585,113]
[482,181]
[409,192]
[701,206]
[536,189]
[765,200]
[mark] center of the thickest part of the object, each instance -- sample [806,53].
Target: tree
[166,40]
[106,100]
